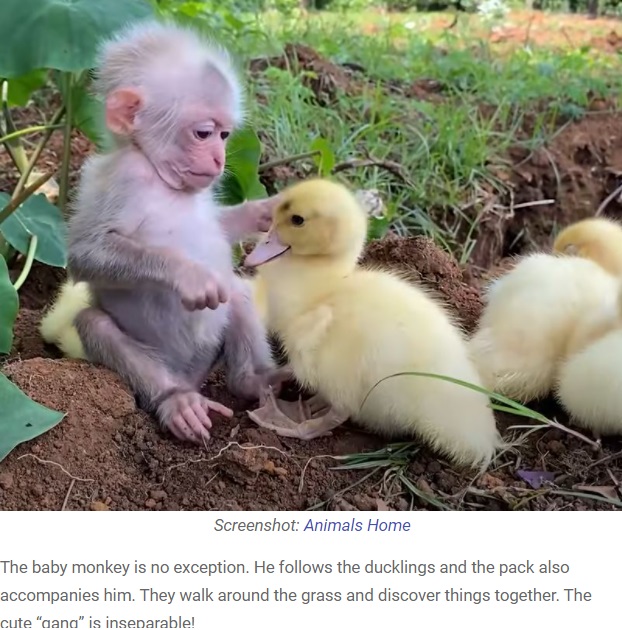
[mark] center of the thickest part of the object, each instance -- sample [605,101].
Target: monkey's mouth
[266,250]
[199,179]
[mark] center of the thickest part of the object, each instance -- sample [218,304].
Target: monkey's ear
[121,109]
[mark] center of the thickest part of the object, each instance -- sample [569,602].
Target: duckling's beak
[266,250]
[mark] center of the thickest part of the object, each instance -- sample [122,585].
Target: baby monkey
[151,240]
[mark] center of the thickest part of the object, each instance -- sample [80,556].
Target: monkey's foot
[186,415]
[272,416]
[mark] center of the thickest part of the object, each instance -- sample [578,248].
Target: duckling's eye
[297,219]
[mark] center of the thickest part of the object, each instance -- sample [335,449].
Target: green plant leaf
[36,216]
[9,305]
[60,34]
[21,88]
[22,418]
[326,160]
[241,181]
[378,227]
[88,115]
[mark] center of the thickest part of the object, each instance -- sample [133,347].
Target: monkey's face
[191,156]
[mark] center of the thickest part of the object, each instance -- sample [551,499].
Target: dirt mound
[564,181]
[325,79]
[423,261]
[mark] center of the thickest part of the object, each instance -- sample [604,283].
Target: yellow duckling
[57,327]
[589,385]
[544,309]
[598,239]
[345,328]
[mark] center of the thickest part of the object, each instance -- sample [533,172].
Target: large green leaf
[241,181]
[9,305]
[37,216]
[60,34]
[21,419]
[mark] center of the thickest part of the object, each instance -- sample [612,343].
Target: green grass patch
[450,150]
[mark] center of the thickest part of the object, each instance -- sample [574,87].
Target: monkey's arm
[248,218]
[116,259]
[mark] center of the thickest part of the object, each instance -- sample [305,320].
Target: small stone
[158,495]
[556,447]
[6,481]
[402,505]
[98,506]
[150,503]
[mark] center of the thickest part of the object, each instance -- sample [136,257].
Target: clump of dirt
[564,181]
[424,262]
[325,79]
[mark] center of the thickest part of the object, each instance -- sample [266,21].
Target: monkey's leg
[247,353]
[173,398]
[270,416]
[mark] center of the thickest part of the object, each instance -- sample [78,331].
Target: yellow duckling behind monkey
[57,327]
[345,328]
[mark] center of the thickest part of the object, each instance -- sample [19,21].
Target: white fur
[153,52]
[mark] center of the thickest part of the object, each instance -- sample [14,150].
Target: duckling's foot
[271,416]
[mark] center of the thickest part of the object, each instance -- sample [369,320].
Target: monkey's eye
[297,219]
[224,135]
[202,134]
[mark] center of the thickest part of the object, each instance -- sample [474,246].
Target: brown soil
[576,172]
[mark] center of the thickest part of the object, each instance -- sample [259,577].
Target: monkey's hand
[199,288]
[249,218]
[263,212]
